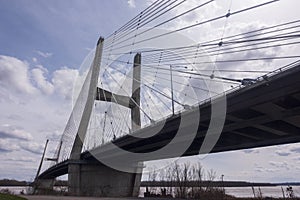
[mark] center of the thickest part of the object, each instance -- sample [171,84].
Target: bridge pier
[99,180]
[44,186]
[95,178]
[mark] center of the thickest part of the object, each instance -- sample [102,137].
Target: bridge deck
[263,114]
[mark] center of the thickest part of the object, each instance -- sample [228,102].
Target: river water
[274,191]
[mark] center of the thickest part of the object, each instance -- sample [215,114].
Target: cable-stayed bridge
[152,93]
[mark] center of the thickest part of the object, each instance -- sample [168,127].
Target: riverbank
[11,197]
[240,192]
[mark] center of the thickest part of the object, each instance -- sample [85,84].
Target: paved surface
[37,197]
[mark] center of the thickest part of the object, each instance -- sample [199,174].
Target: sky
[42,46]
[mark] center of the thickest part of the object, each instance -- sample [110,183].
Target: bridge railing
[279,70]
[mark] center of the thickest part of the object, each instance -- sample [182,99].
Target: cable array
[175,73]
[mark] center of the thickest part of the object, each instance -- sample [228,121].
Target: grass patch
[10,197]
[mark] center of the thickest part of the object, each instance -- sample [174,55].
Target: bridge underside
[263,114]
[266,113]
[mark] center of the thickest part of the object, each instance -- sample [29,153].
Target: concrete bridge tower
[97,179]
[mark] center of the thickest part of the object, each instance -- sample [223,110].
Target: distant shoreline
[215,184]
[11,182]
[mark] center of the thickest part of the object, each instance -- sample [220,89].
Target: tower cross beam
[104,95]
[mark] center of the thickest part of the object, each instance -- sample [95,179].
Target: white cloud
[14,133]
[131,3]
[295,149]
[63,81]
[32,147]
[16,78]
[281,165]
[20,159]
[283,152]
[251,151]
[7,146]
[38,75]
[44,54]
[88,49]
[265,170]
[37,102]
[288,150]
[14,75]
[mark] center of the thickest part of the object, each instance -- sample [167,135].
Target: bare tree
[152,176]
[197,176]
[211,175]
[189,181]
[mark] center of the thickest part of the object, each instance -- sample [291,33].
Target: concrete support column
[44,186]
[74,179]
[137,179]
[136,117]
[136,84]
[96,179]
